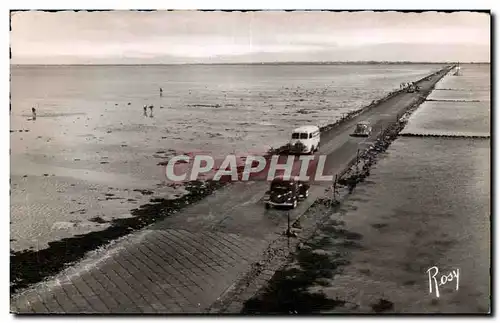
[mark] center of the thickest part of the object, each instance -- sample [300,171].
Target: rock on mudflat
[320,252]
[382,306]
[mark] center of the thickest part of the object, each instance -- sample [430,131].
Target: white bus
[305,140]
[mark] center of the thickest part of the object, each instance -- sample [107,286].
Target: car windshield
[361,127]
[281,187]
[298,135]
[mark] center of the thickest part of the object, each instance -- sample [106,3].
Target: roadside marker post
[288,233]
[288,218]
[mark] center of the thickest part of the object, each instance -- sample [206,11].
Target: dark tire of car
[268,206]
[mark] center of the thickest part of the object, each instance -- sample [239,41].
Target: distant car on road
[363,129]
[413,88]
[286,192]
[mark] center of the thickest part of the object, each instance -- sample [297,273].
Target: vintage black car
[286,192]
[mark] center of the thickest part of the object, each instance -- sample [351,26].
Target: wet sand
[82,162]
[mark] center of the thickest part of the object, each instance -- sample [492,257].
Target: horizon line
[250,63]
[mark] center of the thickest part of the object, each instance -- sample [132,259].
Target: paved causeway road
[186,262]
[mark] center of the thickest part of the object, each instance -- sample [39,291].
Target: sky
[177,37]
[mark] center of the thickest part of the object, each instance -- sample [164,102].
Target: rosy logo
[246,168]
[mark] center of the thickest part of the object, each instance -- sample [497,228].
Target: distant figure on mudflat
[151,108]
[33,113]
[145,110]
[161,92]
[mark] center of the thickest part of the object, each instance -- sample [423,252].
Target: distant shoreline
[270,63]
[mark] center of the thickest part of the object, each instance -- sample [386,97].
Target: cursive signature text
[436,280]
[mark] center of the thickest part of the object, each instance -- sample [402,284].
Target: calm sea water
[427,203]
[460,105]
[91,137]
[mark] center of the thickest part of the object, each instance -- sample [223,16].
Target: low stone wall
[445,135]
